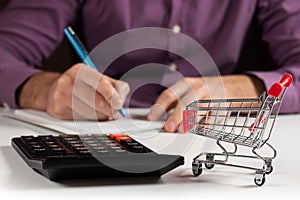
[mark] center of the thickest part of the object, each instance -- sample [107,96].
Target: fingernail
[151,116]
[170,126]
[116,104]
[110,118]
[123,91]
[117,115]
[156,112]
[123,94]
[180,128]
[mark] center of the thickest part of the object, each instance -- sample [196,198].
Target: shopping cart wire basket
[241,122]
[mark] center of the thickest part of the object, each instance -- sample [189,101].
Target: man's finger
[122,88]
[97,81]
[168,99]
[173,122]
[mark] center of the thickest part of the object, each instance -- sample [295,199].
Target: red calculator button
[119,139]
[114,136]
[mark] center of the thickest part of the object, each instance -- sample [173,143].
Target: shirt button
[173,67]
[176,28]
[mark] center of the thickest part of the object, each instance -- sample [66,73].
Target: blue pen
[82,52]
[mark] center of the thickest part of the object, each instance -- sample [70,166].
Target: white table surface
[18,181]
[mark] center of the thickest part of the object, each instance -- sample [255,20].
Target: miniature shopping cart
[233,122]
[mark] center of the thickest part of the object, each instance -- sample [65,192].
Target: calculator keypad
[85,145]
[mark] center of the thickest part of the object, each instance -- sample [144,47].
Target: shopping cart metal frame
[240,122]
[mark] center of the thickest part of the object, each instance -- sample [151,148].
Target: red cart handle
[286,80]
[277,88]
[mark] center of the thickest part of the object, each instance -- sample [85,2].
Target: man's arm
[280,21]
[29,31]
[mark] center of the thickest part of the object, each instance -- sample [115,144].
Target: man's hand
[80,93]
[187,90]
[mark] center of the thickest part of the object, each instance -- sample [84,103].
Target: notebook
[134,121]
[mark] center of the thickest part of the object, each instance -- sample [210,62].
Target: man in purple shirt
[30,31]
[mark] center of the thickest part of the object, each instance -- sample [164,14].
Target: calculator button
[33,143]
[70,138]
[28,138]
[114,136]
[107,141]
[123,138]
[84,152]
[102,152]
[96,145]
[116,147]
[74,142]
[54,145]
[35,146]
[47,138]
[99,148]
[77,145]
[101,137]
[120,151]
[88,141]
[85,136]
[51,142]
[81,148]
[134,146]
[59,150]
[40,151]
[112,144]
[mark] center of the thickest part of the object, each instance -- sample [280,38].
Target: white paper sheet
[134,121]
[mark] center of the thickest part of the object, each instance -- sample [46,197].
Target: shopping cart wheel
[268,166]
[269,170]
[260,179]
[209,165]
[209,157]
[197,168]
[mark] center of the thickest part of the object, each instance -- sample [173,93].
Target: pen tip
[122,112]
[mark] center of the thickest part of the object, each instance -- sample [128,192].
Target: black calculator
[92,156]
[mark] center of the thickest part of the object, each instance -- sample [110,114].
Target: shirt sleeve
[29,32]
[280,21]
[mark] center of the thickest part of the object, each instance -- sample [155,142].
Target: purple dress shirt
[30,31]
